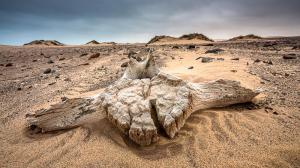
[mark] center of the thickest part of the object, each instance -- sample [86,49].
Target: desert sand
[265,133]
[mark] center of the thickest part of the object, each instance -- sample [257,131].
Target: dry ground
[264,134]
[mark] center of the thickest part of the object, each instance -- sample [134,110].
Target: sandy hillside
[264,134]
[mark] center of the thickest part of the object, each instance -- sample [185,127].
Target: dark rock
[296,47]
[191,67]
[52,83]
[19,88]
[257,61]
[62,58]
[1,64]
[207,59]
[67,79]
[9,64]
[96,55]
[124,64]
[50,61]
[214,51]
[275,113]
[289,56]
[83,54]
[198,58]
[236,59]
[34,60]
[47,71]
[191,47]
[64,98]
[220,59]
[233,70]
[84,64]
[175,47]
[208,44]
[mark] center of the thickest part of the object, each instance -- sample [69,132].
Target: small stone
[191,67]
[289,56]
[9,64]
[175,47]
[47,71]
[83,54]
[191,47]
[64,98]
[19,88]
[96,55]
[236,59]
[214,51]
[67,79]
[233,70]
[220,59]
[257,61]
[207,59]
[275,113]
[50,61]
[34,60]
[52,83]
[268,62]
[124,64]
[62,58]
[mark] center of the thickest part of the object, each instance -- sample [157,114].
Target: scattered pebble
[191,67]
[233,70]
[289,56]
[9,65]
[236,59]
[50,61]
[47,71]
[214,51]
[206,59]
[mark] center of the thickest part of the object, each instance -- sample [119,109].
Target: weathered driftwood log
[143,100]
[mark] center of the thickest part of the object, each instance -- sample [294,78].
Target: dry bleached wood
[143,100]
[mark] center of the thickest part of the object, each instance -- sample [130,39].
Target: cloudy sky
[79,21]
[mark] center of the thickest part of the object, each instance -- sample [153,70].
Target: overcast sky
[79,21]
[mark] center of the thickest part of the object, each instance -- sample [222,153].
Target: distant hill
[93,42]
[195,36]
[184,39]
[45,43]
[246,37]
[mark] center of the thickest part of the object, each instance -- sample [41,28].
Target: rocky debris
[207,59]
[189,47]
[45,42]
[9,65]
[175,47]
[95,55]
[220,59]
[233,70]
[62,58]
[50,61]
[34,60]
[47,71]
[246,37]
[214,51]
[289,56]
[191,67]
[236,59]
[19,88]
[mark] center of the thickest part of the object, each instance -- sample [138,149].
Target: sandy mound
[246,37]
[45,43]
[193,38]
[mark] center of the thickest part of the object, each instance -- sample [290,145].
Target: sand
[236,136]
